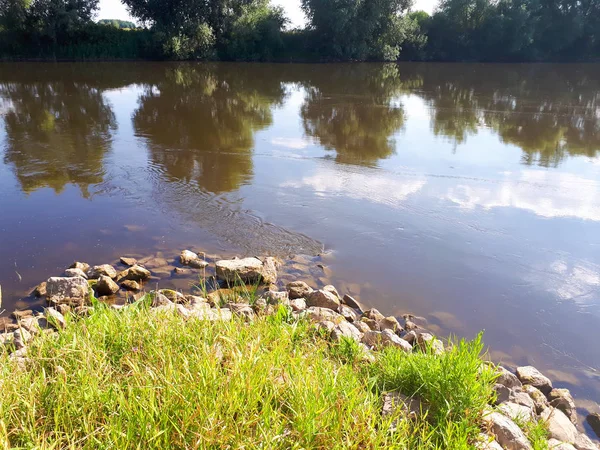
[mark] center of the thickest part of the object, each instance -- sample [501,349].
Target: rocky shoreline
[248,288]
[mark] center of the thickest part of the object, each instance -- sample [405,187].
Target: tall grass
[138,378]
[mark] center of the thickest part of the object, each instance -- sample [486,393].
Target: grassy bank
[141,378]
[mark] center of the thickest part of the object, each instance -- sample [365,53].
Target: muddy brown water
[467,194]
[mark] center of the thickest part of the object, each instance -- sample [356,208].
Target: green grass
[139,379]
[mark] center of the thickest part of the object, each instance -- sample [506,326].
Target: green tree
[55,20]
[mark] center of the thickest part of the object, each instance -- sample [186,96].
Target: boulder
[361,326]
[410,337]
[96,272]
[594,421]
[40,290]
[399,405]
[372,324]
[298,289]
[298,304]
[21,338]
[352,303]
[409,325]
[530,375]
[554,444]
[330,288]
[507,433]
[128,261]
[173,296]
[517,412]
[390,323]
[130,285]
[323,299]
[64,290]
[159,299]
[346,329]
[18,315]
[520,397]
[507,378]
[559,425]
[189,258]
[539,399]
[135,273]
[54,318]
[182,271]
[276,298]
[486,442]
[563,400]
[381,339]
[348,313]
[75,273]
[247,270]
[502,393]
[243,310]
[426,342]
[269,270]
[374,314]
[106,286]
[316,314]
[80,265]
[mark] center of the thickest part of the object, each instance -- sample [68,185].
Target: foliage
[125,24]
[138,378]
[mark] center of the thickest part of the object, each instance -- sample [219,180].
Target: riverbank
[236,361]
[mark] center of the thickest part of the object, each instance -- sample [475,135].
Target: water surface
[467,194]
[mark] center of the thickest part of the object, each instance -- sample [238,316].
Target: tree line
[336,30]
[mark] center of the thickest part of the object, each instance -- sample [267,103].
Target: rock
[410,337]
[563,400]
[316,314]
[502,393]
[22,337]
[75,273]
[73,291]
[130,285]
[428,342]
[582,442]
[397,404]
[243,310]
[325,326]
[106,286]
[182,271]
[196,302]
[128,261]
[212,315]
[559,425]
[54,318]
[22,314]
[83,311]
[104,269]
[594,421]
[372,324]
[173,296]
[276,298]
[507,433]
[530,375]
[348,313]
[63,309]
[191,259]
[156,264]
[7,338]
[160,300]
[80,265]
[382,339]
[409,325]
[345,329]
[298,304]
[247,270]
[554,444]
[269,270]
[373,314]
[520,397]
[135,273]
[331,289]
[539,399]
[361,326]
[40,290]
[517,412]
[31,324]
[507,378]
[298,289]
[323,299]
[352,303]
[390,323]
[486,442]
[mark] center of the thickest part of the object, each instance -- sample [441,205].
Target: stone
[325,326]
[196,302]
[316,314]
[31,324]
[323,299]
[128,261]
[530,375]
[374,314]
[173,296]
[106,286]
[410,337]
[372,324]
[276,298]
[298,304]
[352,303]
[54,318]
[298,289]
[345,329]
[182,271]
[330,288]
[22,337]
[135,273]
[594,421]
[517,412]
[409,325]
[539,399]
[156,264]
[83,311]
[22,314]
[502,393]
[382,339]
[212,315]
[582,442]
[247,270]
[243,310]
[559,425]
[507,378]
[80,265]
[390,323]
[189,258]
[7,338]
[75,273]
[507,433]
[40,290]
[428,342]
[65,290]
[486,442]
[269,270]
[361,326]
[348,313]
[517,395]
[130,285]
[554,444]
[63,309]
[563,400]
[399,405]
[160,300]
[103,269]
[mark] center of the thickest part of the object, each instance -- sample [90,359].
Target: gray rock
[507,433]
[539,399]
[395,403]
[173,296]
[530,375]
[374,314]
[348,313]
[502,393]
[352,303]
[247,270]
[326,326]
[189,258]
[381,339]
[18,315]
[54,318]
[582,442]
[323,299]
[130,285]
[22,337]
[182,271]
[135,273]
[372,324]
[486,442]
[559,425]
[390,323]
[594,421]
[298,289]
[73,291]
[345,329]
[410,337]
[269,270]
[40,290]
[80,265]
[330,288]
[361,326]
[103,269]
[520,397]
[426,342]
[106,286]
[276,298]
[243,310]
[507,378]
[517,412]
[298,304]
[160,300]
[31,324]
[316,314]
[554,444]
[563,400]
[75,273]
[128,261]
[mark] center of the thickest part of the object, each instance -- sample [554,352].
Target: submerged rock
[189,258]
[128,261]
[63,290]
